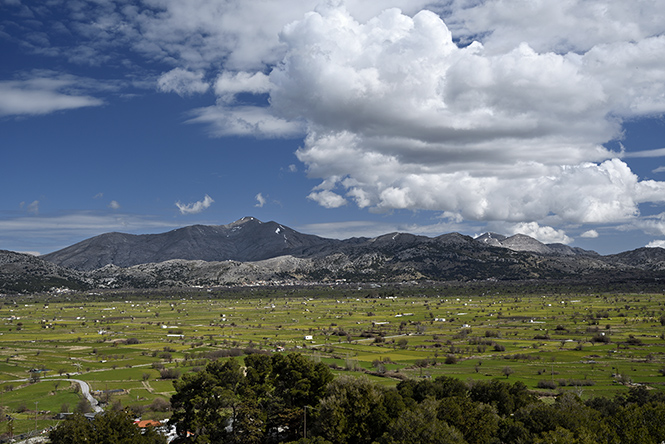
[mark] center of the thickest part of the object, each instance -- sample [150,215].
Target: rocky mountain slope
[23,273]
[522,242]
[652,259]
[250,251]
[247,239]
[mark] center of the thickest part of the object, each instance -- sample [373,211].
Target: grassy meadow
[129,347]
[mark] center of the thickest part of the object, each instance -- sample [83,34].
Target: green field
[124,345]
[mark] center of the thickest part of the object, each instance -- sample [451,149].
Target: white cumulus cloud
[327,199]
[590,234]
[400,117]
[659,243]
[544,234]
[550,25]
[195,207]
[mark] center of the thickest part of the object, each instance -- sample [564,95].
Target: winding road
[85,390]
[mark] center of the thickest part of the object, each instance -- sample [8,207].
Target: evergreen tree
[421,425]
[106,428]
[353,411]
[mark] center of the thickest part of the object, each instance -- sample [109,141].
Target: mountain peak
[522,242]
[247,219]
[492,239]
[517,242]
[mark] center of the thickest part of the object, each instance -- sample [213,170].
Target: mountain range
[249,251]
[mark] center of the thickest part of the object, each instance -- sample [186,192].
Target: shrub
[580,382]
[83,406]
[632,340]
[463,333]
[546,384]
[160,405]
[380,367]
[507,371]
[169,373]
[34,377]
[422,363]
[599,337]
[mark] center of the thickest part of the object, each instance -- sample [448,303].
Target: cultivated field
[128,347]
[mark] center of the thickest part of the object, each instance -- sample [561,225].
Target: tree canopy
[263,402]
[112,427]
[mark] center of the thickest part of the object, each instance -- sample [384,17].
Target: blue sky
[336,118]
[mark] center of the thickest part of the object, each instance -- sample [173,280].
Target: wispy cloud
[46,233]
[195,207]
[228,84]
[348,229]
[660,152]
[260,200]
[44,92]
[114,205]
[255,121]
[32,208]
[182,82]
